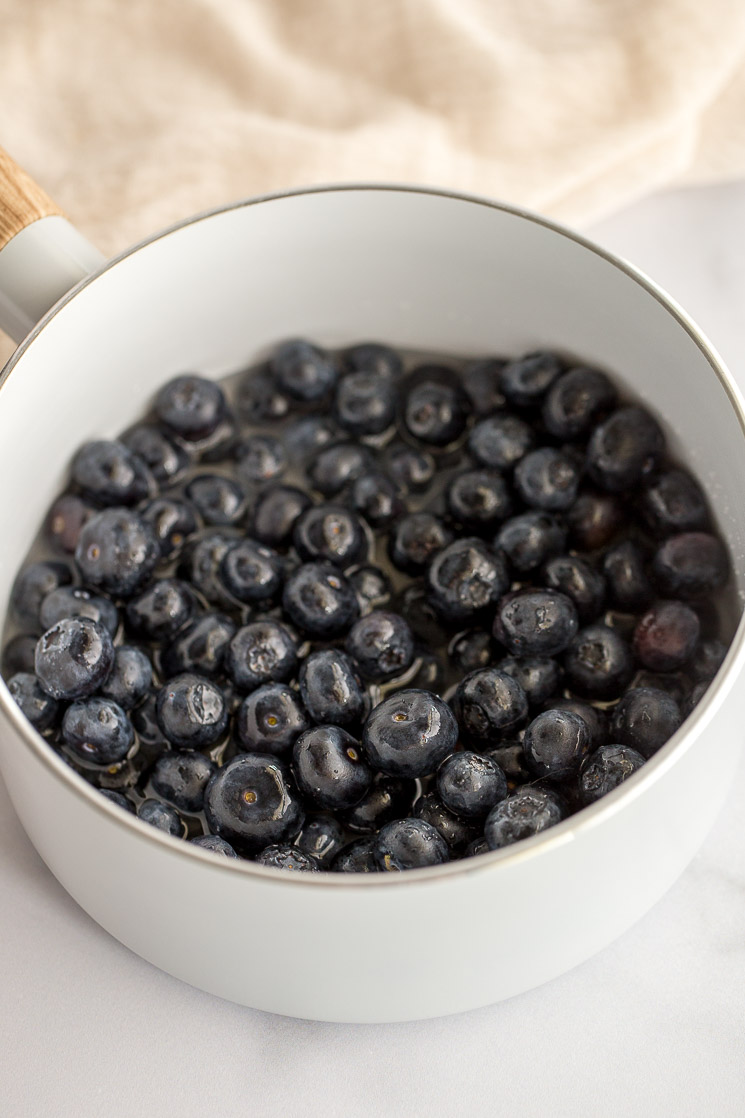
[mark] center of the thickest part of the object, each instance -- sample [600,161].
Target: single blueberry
[65,521]
[409,733]
[260,458]
[191,407]
[598,663]
[320,600]
[166,461]
[73,658]
[329,767]
[322,837]
[539,676]
[575,402]
[415,606]
[535,622]
[200,565]
[338,465]
[526,380]
[173,522]
[645,718]
[625,570]
[478,500]
[356,857]
[708,659]
[605,769]
[436,408]
[163,817]
[372,587]
[696,695]
[150,738]
[465,580]
[531,538]
[470,784]
[110,474]
[666,637]
[250,803]
[624,449]
[276,509]
[261,652]
[40,709]
[673,502]
[306,435]
[481,381]
[371,357]
[408,844]
[303,371]
[690,565]
[200,646]
[547,479]
[191,711]
[259,400]
[576,578]
[119,799]
[251,572]
[76,601]
[116,552]
[283,856]
[411,468]
[416,538]
[381,644]
[331,533]
[456,831]
[593,520]
[376,496]
[220,501]
[270,720]
[365,403]
[97,730]
[478,846]
[130,678]
[180,778]
[387,798]
[487,702]
[500,441]
[32,585]
[555,743]
[160,611]
[471,650]
[526,812]
[215,844]
[330,688]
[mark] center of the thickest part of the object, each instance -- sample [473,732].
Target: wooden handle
[22,201]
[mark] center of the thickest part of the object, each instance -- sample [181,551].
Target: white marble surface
[655,1025]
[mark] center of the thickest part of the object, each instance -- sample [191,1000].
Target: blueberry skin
[270,720]
[73,658]
[32,585]
[593,520]
[375,496]
[330,533]
[387,798]
[381,644]
[535,622]
[303,371]
[19,654]
[97,730]
[337,465]
[200,646]
[478,846]
[119,799]
[110,474]
[320,600]
[629,587]
[365,403]
[250,803]
[690,565]
[666,637]
[215,844]
[191,711]
[65,521]
[471,650]
[329,767]
[409,733]
[166,461]
[556,743]
[356,857]
[624,449]
[645,718]
[598,663]
[510,758]
[370,357]
[260,458]
[531,538]
[116,552]
[160,611]
[275,512]
[481,382]
[435,412]
[40,709]
[191,407]
[149,734]
[575,401]
[415,606]
[76,601]
[219,500]
[130,678]
[259,399]
[180,779]
[251,572]
[409,844]
[416,539]
[526,812]
[466,579]
[470,784]
[163,817]
[487,702]
[576,578]
[525,381]
[261,652]
[411,468]
[456,831]
[200,565]
[696,695]
[708,659]
[673,502]
[330,688]
[500,441]
[595,719]
[547,479]
[305,436]
[605,769]
[479,500]
[172,523]
[283,856]
[539,676]
[322,837]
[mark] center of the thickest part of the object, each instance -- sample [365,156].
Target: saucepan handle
[41,254]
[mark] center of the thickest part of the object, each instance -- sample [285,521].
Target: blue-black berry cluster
[356,612]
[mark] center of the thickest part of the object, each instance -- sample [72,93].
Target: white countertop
[653,1026]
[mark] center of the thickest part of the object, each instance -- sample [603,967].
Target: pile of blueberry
[357,613]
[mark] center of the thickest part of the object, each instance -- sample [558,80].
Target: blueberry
[275,512]
[356,857]
[478,500]
[149,734]
[331,533]
[97,730]
[481,381]
[338,465]
[322,837]
[370,357]
[666,636]
[598,663]
[73,658]
[75,601]
[116,552]
[595,719]
[110,474]
[579,581]
[191,711]
[163,817]
[500,441]
[191,407]
[487,702]
[624,567]
[130,678]
[201,563]
[575,401]
[645,718]
[624,449]
[251,572]
[673,502]
[675,684]
[708,659]
[696,695]
[270,720]
[39,708]
[465,580]
[250,803]
[261,652]
[215,844]
[365,403]
[456,831]
[436,408]
[605,769]
[372,587]
[526,812]
[535,622]
[65,521]
[260,458]
[329,767]
[593,520]
[690,565]
[303,371]
[19,654]
[411,468]
[415,606]
[539,676]
[416,539]
[470,784]
[471,650]
[376,497]
[34,583]
[259,399]
[478,846]
[200,646]
[381,644]
[531,538]
[172,522]
[330,689]
[119,799]
[220,501]
[387,798]
[525,381]
[409,733]
[166,461]
[180,778]
[510,758]
[555,743]
[305,436]
[408,844]
[160,611]
[320,600]
[547,479]
[283,856]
